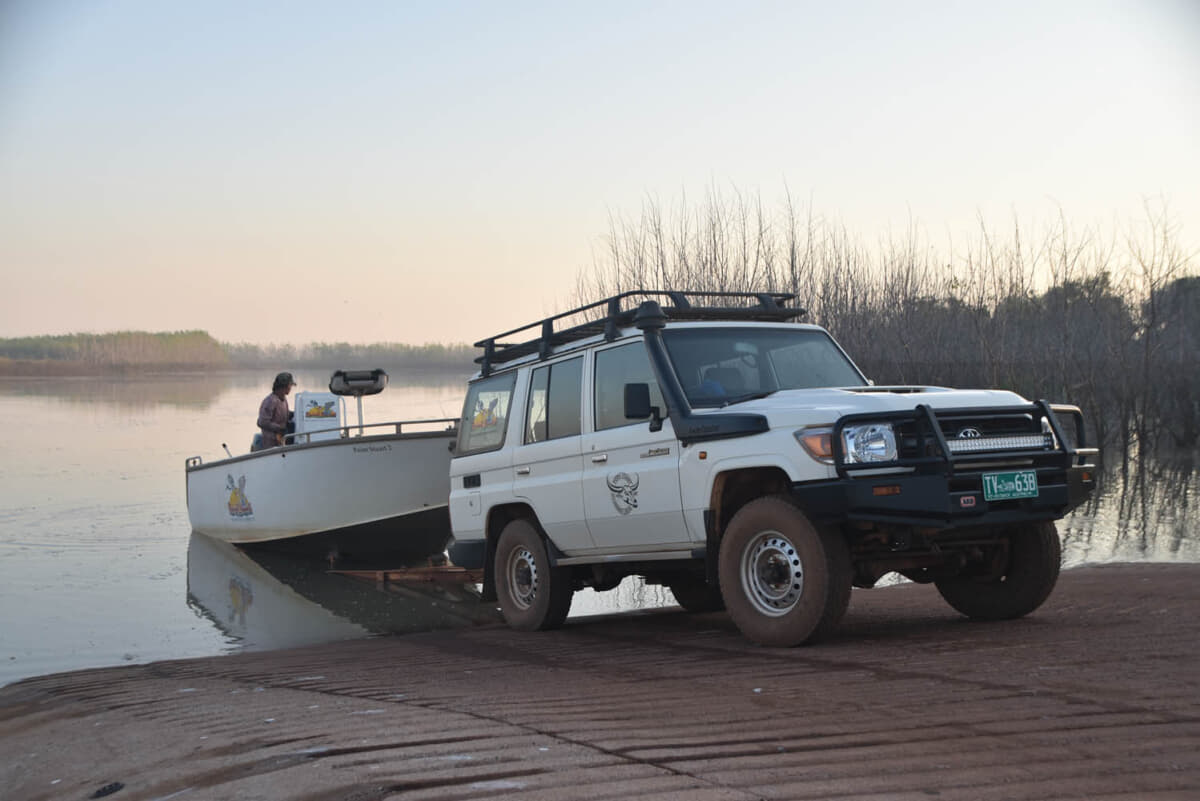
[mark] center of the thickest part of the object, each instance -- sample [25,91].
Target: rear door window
[554,401]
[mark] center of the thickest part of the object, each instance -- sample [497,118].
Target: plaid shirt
[272,419]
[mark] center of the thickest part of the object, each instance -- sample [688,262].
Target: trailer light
[886,489]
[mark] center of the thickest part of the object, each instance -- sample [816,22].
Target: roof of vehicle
[606,318]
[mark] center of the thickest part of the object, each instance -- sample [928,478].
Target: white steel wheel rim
[772,574]
[522,577]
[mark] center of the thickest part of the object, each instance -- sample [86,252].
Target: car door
[547,464]
[630,474]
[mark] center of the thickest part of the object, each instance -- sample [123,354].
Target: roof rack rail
[606,317]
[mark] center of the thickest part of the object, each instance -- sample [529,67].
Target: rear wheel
[784,582]
[1022,583]
[533,595]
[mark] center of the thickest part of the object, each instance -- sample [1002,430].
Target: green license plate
[1006,486]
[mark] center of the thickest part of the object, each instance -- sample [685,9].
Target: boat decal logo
[624,487]
[485,417]
[326,409]
[239,504]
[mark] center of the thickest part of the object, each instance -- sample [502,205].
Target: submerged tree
[1065,314]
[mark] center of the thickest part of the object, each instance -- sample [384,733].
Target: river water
[96,550]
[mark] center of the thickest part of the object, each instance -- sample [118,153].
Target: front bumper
[939,484]
[941,501]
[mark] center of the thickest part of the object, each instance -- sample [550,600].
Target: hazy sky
[441,171]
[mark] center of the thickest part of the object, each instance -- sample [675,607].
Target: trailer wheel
[784,582]
[1034,560]
[533,595]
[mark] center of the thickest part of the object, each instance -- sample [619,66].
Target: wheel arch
[733,489]
[497,518]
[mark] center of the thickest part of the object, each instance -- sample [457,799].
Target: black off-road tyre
[533,595]
[696,595]
[784,582]
[837,551]
[1035,557]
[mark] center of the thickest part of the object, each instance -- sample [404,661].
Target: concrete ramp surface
[1095,696]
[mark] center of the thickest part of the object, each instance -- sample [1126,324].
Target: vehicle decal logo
[239,504]
[969,433]
[624,487]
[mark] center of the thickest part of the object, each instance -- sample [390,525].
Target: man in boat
[273,413]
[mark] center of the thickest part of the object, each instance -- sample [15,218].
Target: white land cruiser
[742,460]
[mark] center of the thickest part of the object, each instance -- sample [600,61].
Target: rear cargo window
[485,415]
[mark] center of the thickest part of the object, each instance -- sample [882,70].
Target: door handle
[522,471]
[600,458]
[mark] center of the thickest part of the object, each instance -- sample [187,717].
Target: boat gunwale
[196,463]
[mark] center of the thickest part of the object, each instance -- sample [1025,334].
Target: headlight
[870,442]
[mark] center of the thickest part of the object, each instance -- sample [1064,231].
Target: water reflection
[134,393]
[1143,511]
[261,600]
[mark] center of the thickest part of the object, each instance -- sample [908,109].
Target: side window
[554,401]
[485,415]
[616,367]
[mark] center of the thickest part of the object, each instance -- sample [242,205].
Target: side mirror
[637,405]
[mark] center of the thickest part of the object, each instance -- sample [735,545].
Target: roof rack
[606,317]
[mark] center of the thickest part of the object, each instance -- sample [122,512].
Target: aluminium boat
[351,494]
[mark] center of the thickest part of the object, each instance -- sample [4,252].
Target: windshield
[722,365]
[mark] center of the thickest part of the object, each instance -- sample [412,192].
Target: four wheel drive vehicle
[741,459]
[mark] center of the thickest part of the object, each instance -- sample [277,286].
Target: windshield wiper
[748,396]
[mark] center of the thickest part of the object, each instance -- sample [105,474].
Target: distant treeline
[1111,324]
[116,351]
[139,351]
[344,355]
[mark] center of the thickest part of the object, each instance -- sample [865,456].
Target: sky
[290,172]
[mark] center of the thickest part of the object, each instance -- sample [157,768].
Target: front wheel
[784,582]
[1019,586]
[533,595]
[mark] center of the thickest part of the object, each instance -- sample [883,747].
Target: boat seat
[729,379]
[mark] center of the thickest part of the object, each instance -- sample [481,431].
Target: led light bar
[1015,442]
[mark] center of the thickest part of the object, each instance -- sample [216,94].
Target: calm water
[94,534]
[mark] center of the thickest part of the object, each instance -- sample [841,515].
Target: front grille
[974,435]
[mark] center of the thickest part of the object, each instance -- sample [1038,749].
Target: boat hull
[349,499]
